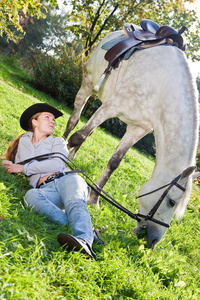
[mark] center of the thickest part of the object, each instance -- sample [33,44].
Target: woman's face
[44,124]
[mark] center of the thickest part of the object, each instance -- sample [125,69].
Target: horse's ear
[187,172]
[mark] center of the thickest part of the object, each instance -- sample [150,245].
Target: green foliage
[33,266]
[39,34]
[59,77]
[16,12]
[32,40]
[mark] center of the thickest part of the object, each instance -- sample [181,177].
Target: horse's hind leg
[81,99]
[132,135]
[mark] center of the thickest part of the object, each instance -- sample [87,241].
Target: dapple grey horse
[153,90]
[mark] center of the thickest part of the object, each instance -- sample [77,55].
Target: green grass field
[32,264]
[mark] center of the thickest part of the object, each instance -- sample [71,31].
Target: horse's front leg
[81,99]
[75,141]
[132,135]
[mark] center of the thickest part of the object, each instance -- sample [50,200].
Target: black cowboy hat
[34,109]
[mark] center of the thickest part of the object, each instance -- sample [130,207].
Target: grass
[33,266]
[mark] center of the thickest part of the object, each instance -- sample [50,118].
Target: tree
[16,13]
[39,34]
[91,20]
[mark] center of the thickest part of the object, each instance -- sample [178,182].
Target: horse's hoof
[93,203]
[72,155]
[76,139]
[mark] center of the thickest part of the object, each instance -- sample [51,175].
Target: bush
[58,77]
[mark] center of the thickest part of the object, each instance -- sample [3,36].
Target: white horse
[154,89]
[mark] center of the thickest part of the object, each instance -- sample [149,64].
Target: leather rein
[110,199]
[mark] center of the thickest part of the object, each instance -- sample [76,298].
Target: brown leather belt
[52,177]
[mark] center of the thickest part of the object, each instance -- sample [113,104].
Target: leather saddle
[149,34]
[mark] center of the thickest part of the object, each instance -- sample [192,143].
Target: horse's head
[158,206]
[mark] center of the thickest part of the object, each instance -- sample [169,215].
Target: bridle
[138,216]
[110,199]
[152,212]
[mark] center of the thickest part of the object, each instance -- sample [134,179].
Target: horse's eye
[172,202]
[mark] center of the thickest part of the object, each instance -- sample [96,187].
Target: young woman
[54,187]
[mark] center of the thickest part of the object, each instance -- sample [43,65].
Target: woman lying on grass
[54,187]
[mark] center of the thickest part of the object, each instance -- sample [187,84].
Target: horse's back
[156,65]
[150,80]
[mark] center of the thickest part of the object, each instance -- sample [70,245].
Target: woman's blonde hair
[12,149]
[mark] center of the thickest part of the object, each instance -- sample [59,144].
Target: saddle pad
[108,45]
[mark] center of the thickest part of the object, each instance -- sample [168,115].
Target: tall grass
[32,264]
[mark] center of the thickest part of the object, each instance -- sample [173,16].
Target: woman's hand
[12,168]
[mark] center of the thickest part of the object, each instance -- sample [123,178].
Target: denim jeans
[64,201]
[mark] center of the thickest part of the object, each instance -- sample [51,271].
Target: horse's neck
[176,141]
